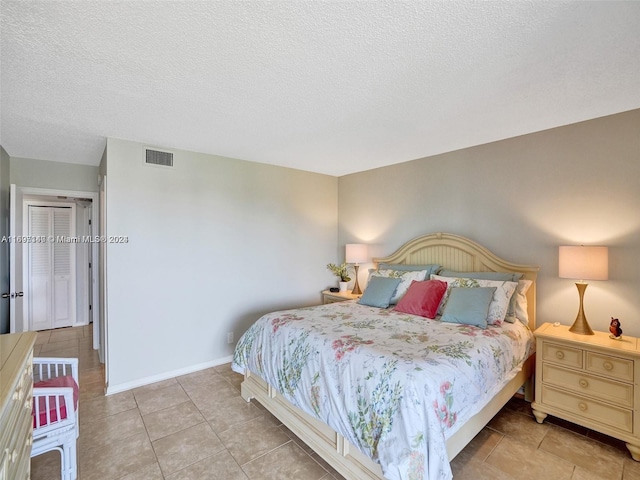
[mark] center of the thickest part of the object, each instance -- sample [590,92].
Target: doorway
[86,216]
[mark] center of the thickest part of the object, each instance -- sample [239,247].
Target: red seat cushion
[66,381]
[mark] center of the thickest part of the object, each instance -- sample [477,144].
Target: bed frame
[453,252]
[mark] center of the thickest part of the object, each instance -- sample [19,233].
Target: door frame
[95,219]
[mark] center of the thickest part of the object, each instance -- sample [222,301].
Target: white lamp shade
[583,262]
[356,253]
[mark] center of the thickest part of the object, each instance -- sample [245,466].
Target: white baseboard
[122,387]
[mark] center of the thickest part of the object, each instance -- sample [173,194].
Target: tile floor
[181,429]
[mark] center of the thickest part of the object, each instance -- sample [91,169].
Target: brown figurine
[614,328]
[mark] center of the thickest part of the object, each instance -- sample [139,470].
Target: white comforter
[395,385]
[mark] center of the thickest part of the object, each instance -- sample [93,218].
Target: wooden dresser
[16,386]
[591,380]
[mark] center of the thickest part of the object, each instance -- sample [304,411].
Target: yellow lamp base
[356,287]
[581,326]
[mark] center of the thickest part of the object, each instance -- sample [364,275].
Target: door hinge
[90,307]
[89,221]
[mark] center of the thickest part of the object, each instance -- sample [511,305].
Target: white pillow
[501,297]
[405,280]
[518,306]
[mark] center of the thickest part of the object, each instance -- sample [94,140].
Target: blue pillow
[379,291]
[499,276]
[431,268]
[469,306]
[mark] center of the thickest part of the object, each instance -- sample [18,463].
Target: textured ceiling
[334,87]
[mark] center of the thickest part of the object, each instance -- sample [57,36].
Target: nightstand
[332,297]
[591,380]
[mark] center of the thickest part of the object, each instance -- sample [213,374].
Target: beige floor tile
[91,375]
[252,439]
[171,420]
[333,473]
[220,466]
[469,468]
[630,469]
[68,352]
[46,466]
[154,386]
[580,473]
[593,456]
[224,369]
[228,413]
[481,446]
[515,425]
[149,472]
[62,345]
[110,430]
[154,400]
[306,448]
[43,337]
[62,334]
[201,380]
[91,389]
[102,406]
[209,388]
[526,462]
[235,380]
[287,461]
[88,360]
[118,459]
[186,447]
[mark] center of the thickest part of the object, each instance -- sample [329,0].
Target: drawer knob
[607,365]
[582,406]
[559,355]
[583,383]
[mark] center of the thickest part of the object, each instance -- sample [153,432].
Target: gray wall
[4,231]
[27,172]
[213,244]
[521,198]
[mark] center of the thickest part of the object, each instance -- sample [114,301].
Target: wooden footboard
[345,457]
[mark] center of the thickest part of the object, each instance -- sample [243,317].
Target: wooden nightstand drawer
[610,366]
[561,354]
[616,417]
[601,388]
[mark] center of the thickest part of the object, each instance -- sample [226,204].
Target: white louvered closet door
[51,265]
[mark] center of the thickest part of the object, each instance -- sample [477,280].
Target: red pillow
[66,381]
[422,298]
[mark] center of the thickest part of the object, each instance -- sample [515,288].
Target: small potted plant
[341,271]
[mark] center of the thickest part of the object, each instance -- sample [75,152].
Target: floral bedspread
[394,385]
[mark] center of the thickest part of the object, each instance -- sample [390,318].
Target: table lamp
[356,253]
[583,263]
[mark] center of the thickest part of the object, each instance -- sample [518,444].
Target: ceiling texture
[333,87]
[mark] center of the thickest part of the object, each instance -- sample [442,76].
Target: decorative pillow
[422,298]
[430,268]
[405,280]
[511,277]
[379,291]
[518,304]
[501,297]
[469,306]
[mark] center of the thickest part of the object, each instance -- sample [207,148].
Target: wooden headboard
[454,252]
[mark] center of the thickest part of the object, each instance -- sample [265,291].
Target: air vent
[157,157]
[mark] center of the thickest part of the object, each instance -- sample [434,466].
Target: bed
[373,390]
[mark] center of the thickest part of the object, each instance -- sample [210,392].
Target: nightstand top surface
[598,339]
